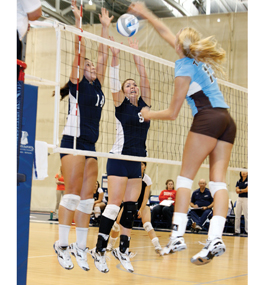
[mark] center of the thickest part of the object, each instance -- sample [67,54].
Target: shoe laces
[65,253]
[127,254]
[131,254]
[102,257]
[206,244]
[172,239]
[82,252]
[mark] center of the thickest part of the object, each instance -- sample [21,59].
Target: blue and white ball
[127,25]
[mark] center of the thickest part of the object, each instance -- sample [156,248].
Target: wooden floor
[228,269]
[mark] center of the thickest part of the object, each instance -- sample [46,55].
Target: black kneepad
[128,214]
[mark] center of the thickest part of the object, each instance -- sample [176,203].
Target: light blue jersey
[204,91]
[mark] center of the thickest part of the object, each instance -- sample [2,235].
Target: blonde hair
[205,50]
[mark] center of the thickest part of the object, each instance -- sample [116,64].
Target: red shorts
[216,123]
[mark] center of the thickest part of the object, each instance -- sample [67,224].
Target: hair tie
[186,45]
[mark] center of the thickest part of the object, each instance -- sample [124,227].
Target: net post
[57,87]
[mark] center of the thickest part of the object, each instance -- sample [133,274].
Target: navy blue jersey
[204,91]
[242,185]
[90,103]
[202,199]
[131,129]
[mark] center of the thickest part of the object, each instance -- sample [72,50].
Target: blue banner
[26,157]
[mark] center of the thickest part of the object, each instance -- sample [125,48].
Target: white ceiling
[61,9]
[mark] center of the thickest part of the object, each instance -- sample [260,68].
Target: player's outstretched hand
[115,51]
[104,18]
[75,10]
[133,43]
[139,9]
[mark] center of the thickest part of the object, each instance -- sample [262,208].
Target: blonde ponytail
[204,50]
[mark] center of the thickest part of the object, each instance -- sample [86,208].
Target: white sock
[155,241]
[179,224]
[97,212]
[63,234]
[81,237]
[216,228]
[112,241]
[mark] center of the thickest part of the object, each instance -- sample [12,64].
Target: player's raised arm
[139,9]
[144,81]
[74,73]
[115,85]
[103,53]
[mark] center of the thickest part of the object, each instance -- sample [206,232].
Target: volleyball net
[166,139]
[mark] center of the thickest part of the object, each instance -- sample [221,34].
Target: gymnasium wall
[231,32]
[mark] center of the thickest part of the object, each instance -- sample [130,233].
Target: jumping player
[143,213]
[80,172]
[212,132]
[124,177]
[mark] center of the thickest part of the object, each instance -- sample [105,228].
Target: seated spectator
[201,203]
[242,202]
[166,206]
[99,203]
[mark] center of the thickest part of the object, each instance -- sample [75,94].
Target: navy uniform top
[146,181]
[90,103]
[204,91]
[131,129]
[242,185]
[202,199]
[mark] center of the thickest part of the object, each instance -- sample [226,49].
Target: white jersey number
[141,119]
[101,102]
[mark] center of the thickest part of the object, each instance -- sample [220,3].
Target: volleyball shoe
[80,255]
[175,244]
[99,260]
[124,258]
[63,256]
[212,248]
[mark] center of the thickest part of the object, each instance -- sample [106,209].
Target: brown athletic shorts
[216,123]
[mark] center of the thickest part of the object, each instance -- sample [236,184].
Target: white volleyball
[127,25]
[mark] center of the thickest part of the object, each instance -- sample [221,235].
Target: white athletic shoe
[212,248]
[63,256]
[175,244]
[99,260]
[80,255]
[124,258]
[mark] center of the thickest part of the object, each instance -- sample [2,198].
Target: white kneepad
[111,211]
[116,227]
[148,226]
[86,206]
[183,182]
[70,201]
[215,186]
